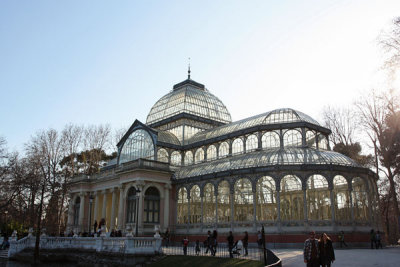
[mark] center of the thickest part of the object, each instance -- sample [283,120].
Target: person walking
[372,237]
[326,252]
[310,252]
[378,240]
[166,236]
[185,243]
[209,243]
[197,248]
[341,239]
[95,226]
[246,243]
[214,242]
[259,239]
[231,241]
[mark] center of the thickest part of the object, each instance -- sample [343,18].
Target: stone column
[167,187]
[121,208]
[96,207]
[332,206]
[70,213]
[114,199]
[278,202]
[141,200]
[104,208]
[82,211]
[305,206]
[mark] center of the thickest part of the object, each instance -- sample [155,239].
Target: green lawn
[199,261]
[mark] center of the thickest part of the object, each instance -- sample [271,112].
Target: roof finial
[189,70]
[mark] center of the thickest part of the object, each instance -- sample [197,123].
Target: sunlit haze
[92,62]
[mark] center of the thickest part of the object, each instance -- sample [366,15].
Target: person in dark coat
[230,243]
[214,242]
[372,237]
[246,243]
[311,251]
[326,253]
[95,226]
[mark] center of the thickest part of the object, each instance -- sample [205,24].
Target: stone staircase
[4,254]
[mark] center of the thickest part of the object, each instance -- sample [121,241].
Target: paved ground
[346,257]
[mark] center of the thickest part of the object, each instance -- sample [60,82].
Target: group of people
[375,239]
[318,252]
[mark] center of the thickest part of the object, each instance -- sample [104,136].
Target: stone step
[4,253]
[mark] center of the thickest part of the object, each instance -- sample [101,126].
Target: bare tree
[373,111]
[342,123]
[390,42]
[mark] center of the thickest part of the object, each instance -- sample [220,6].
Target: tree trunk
[36,253]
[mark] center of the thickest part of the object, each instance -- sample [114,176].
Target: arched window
[292,138]
[151,205]
[209,204]
[211,152]
[77,206]
[182,206]
[224,206]
[195,205]
[131,205]
[237,146]
[199,156]
[360,200]
[342,199]
[223,150]
[176,158]
[188,158]
[291,194]
[251,143]
[138,145]
[266,199]
[318,198]
[162,155]
[310,139]
[244,210]
[270,140]
[322,142]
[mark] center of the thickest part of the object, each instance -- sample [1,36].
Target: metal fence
[222,251]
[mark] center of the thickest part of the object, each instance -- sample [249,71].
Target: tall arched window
[224,206]
[138,145]
[310,139]
[244,210]
[77,206]
[188,158]
[151,205]
[182,206]
[251,143]
[223,150]
[291,194]
[199,156]
[270,140]
[266,199]
[360,200]
[237,146]
[209,204]
[162,155]
[318,198]
[176,158]
[195,205]
[211,153]
[292,138]
[131,205]
[322,142]
[342,199]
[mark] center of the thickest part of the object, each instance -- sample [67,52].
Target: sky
[108,62]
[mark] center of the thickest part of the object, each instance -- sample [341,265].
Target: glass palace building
[190,169]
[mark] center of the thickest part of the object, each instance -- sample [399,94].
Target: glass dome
[192,98]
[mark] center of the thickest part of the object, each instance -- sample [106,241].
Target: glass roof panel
[269,157]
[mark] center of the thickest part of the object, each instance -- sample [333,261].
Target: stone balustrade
[126,245]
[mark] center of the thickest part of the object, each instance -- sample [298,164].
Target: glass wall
[211,153]
[243,205]
[223,150]
[162,155]
[360,200]
[224,206]
[292,138]
[251,143]
[311,139]
[209,204]
[342,199]
[318,198]
[182,206]
[266,199]
[237,146]
[199,156]
[138,145]
[270,140]
[291,198]
[176,158]
[195,205]
[151,209]
[188,158]
[131,205]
